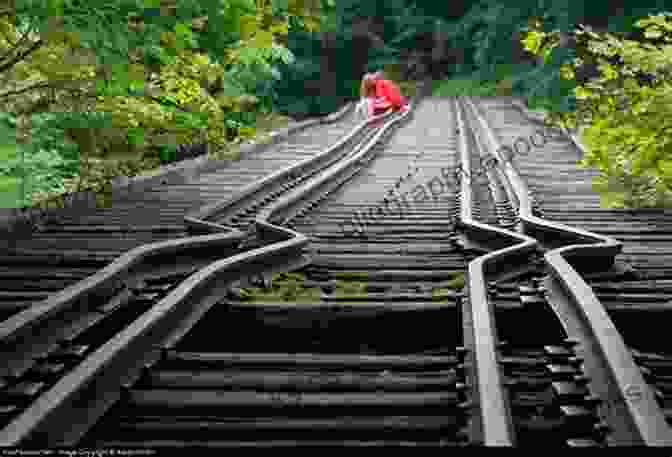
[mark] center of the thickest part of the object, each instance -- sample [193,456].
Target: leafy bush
[463,87]
[496,80]
[627,118]
[155,80]
[44,161]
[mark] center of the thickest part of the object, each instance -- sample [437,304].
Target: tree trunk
[328,80]
[440,49]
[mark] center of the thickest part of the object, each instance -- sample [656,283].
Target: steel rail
[44,421]
[285,209]
[648,425]
[319,161]
[170,174]
[493,426]
[20,325]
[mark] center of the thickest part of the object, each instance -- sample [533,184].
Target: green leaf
[665,167]
[56,7]
[136,136]
[151,3]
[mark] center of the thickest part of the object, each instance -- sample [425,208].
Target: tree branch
[58,85]
[40,85]
[7,11]
[21,56]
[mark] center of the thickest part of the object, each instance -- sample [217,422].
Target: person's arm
[361,108]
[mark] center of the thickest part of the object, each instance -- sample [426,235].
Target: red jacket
[389,91]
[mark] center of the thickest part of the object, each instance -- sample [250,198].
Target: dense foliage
[626,111]
[122,83]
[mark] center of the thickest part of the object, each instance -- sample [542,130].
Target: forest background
[95,89]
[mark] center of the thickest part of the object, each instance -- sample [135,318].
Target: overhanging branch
[41,85]
[21,56]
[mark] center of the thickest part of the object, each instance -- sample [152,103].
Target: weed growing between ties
[350,286]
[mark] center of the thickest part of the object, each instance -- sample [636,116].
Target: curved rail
[108,279]
[102,284]
[648,423]
[284,210]
[197,221]
[42,422]
[493,427]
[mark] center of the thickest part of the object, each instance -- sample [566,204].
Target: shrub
[627,118]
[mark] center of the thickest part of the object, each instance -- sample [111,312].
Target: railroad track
[81,240]
[42,341]
[590,377]
[279,394]
[635,292]
[33,364]
[347,366]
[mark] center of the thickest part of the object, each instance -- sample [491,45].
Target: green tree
[159,69]
[626,119]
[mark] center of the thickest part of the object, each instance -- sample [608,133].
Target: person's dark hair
[368,85]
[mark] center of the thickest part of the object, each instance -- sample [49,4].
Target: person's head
[368,87]
[378,75]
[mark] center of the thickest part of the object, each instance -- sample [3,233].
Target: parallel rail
[609,363]
[493,428]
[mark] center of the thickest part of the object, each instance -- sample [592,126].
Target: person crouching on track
[380,95]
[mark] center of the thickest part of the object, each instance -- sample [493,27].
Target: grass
[10,187]
[537,104]
[290,287]
[498,82]
[464,86]
[9,192]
